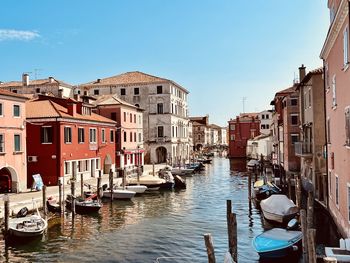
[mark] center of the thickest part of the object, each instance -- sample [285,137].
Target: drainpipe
[325,127]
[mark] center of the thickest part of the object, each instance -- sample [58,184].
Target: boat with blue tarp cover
[277,243]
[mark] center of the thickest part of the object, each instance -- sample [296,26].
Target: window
[172,131]
[97,164]
[124,136]
[67,135]
[267,126]
[93,135]
[17,141]
[172,108]
[160,131]
[122,92]
[67,167]
[81,135]
[114,116]
[232,127]
[232,137]
[111,136]
[294,138]
[140,137]
[336,190]
[159,89]
[330,182]
[294,102]
[2,143]
[103,136]
[347,126]
[160,108]
[130,136]
[96,92]
[346,46]
[139,119]
[334,95]
[135,138]
[328,130]
[294,118]
[263,116]
[124,116]
[130,117]
[262,126]
[37,90]
[16,111]
[1,110]
[46,134]
[136,91]
[134,118]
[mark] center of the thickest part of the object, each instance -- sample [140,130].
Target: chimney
[98,81]
[25,79]
[302,72]
[60,93]
[72,108]
[51,79]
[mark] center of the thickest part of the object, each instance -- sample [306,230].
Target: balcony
[303,149]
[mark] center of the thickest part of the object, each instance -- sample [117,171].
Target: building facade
[310,147]
[129,134]
[165,118]
[65,139]
[265,118]
[335,55]
[246,126]
[50,86]
[13,163]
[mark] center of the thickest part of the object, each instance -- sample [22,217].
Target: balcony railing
[303,149]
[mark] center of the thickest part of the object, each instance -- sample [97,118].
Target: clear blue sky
[220,50]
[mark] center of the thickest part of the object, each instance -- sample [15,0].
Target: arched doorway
[161,154]
[107,164]
[5,180]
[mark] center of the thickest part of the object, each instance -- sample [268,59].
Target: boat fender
[295,248]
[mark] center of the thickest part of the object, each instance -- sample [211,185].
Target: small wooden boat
[278,208]
[84,206]
[119,194]
[182,171]
[253,164]
[52,205]
[196,166]
[263,189]
[179,182]
[277,243]
[28,226]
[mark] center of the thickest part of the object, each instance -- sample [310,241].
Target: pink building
[335,54]
[13,171]
[129,135]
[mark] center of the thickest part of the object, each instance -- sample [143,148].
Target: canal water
[168,225]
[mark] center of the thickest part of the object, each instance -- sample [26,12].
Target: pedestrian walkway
[19,200]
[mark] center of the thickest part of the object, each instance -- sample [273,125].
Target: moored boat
[277,243]
[119,194]
[263,189]
[84,206]
[278,208]
[52,205]
[138,189]
[152,182]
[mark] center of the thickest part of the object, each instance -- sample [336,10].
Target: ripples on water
[167,224]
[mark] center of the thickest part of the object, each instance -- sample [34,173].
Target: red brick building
[65,139]
[246,126]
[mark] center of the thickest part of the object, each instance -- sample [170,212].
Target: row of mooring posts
[232,236]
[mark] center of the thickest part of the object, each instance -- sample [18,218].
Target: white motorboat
[27,226]
[138,189]
[119,194]
[279,208]
[152,182]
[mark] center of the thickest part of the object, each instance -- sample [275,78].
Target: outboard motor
[292,224]
[23,212]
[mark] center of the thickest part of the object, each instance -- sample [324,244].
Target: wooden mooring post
[99,178]
[60,193]
[298,191]
[7,214]
[210,248]
[82,185]
[311,234]
[304,231]
[290,187]
[232,230]
[111,183]
[153,169]
[44,202]
[72,189]
[310,210]
[249,187]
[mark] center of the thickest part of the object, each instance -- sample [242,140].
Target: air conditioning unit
[32,159]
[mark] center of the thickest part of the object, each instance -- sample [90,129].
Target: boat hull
[119,194]
[84,208]
[17,227]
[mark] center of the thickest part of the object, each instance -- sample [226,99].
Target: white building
[260,145]
[265,118]
[165,119]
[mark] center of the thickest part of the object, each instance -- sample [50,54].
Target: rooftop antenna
[243,102]
[36,73]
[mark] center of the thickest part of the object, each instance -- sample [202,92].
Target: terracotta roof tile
[128,78]
[12,94]
[37,82]
[112,100]
[49,109]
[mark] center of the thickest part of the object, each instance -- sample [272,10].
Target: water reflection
[166,224]
[238,164]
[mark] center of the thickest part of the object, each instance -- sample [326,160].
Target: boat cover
[279,204]
[275,239]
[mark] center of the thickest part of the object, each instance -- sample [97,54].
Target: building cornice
[334,29]
[68,120]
